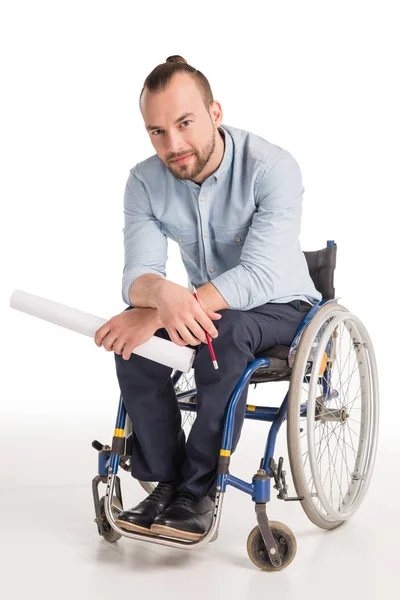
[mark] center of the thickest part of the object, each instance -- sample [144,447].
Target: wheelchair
[332,414]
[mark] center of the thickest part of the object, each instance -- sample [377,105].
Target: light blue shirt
[238,230]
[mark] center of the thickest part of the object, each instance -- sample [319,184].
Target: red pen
[211,349]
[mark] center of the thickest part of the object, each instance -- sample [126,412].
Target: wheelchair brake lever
[280,465]
[276,472]
[280,480]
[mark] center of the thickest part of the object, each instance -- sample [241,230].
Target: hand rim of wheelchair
[332,518]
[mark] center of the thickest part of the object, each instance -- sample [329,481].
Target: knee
[232,337]
[231,326]
[229,319]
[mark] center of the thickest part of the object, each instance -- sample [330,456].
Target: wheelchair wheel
[109,534]
[185,383]
[284,539]
[333,416]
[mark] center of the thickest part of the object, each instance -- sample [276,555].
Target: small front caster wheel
[108,533]
[284,539]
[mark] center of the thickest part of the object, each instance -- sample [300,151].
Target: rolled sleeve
[145,244]
[272,239]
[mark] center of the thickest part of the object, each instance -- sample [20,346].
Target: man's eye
[156,130]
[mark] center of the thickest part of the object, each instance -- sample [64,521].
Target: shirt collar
[227,158]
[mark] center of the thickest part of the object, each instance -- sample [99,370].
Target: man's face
[179,124]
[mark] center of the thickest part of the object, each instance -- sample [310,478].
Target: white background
[317,78]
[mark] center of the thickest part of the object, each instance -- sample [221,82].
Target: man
[232,201]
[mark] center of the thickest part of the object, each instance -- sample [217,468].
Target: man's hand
[185,319]
[126,331]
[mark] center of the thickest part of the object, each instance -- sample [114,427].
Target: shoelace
[183,500]
[159,491]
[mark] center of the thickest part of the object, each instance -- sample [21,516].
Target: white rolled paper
[156,349]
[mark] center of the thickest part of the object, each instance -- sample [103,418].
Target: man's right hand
[124,332]
[185,319]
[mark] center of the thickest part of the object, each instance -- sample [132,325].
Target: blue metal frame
[119,424]
[259,489]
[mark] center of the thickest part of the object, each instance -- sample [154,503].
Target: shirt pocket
[235,236]
[183,237]
[186,238]
[227,245]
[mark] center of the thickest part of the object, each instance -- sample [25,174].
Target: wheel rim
[339,417]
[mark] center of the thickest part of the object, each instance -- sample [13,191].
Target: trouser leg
[158,441]
[241,334]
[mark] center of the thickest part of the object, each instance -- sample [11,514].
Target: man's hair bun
[176,59]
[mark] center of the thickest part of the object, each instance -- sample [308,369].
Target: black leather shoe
[186,517]
[141,516]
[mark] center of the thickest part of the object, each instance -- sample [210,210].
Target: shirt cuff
[238,296]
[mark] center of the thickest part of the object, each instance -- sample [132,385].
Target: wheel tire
[284,539]
[109,534]
[300,480]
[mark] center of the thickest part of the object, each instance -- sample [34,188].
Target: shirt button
[211,269]
[206,234]
[179,239]
[238,239]
[201,197]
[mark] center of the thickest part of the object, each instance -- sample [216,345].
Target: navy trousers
[160,451]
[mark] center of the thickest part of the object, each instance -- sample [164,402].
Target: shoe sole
[132,526]
[178,533]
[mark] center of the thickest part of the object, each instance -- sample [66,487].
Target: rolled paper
[157,349]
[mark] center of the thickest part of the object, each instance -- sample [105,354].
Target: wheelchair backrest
[321,265]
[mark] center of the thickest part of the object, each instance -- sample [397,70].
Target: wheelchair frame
[258,489]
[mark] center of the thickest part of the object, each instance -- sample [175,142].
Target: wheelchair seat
[321,265]
[278,368]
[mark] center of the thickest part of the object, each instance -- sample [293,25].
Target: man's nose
[175,142]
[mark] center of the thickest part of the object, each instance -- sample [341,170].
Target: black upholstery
[321,265]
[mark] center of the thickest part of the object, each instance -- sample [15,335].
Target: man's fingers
[212,314]
[207,324]
[174,337]
[109,340]
[197,331]
[101,333]
[118,346]
[186,334]
[127,351]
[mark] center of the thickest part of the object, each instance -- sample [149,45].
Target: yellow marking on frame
[323,364]
[119,432]
[251,407]
[224,452]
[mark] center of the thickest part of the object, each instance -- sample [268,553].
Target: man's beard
[199,161]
